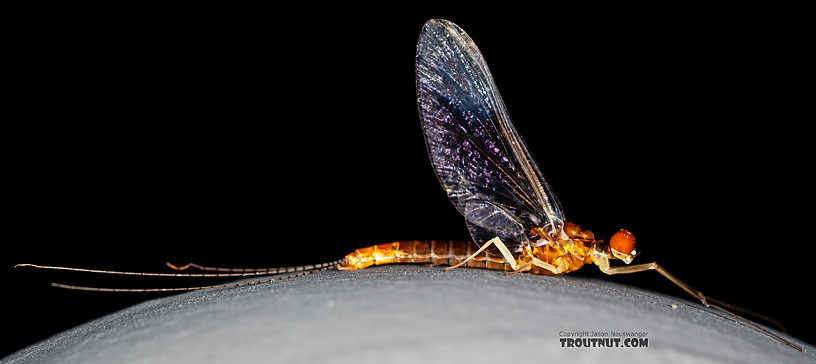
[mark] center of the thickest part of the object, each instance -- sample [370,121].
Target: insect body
[548,259]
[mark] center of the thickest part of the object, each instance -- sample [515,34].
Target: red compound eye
[623,242]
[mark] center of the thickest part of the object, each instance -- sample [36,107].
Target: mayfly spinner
[514,218]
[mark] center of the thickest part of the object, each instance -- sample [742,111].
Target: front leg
[699,295]
[653,266]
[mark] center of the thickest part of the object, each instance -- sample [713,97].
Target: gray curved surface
[408,313]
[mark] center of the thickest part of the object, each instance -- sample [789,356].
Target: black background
[250,137]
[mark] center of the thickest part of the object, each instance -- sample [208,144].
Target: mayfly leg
[767,319]
[707,301]
[502,248]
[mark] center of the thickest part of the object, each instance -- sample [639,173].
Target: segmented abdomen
[434,252]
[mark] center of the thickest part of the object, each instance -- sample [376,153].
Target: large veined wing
[475,150]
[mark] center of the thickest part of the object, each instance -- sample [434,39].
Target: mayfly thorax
[513,216]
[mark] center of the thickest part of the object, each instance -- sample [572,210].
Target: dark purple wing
[476,152]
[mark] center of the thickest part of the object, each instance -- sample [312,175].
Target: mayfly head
[622,246]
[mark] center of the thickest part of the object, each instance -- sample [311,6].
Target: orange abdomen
[434,252]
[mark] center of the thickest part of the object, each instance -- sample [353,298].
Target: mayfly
[515,221]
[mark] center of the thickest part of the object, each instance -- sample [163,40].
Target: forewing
[476,152]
